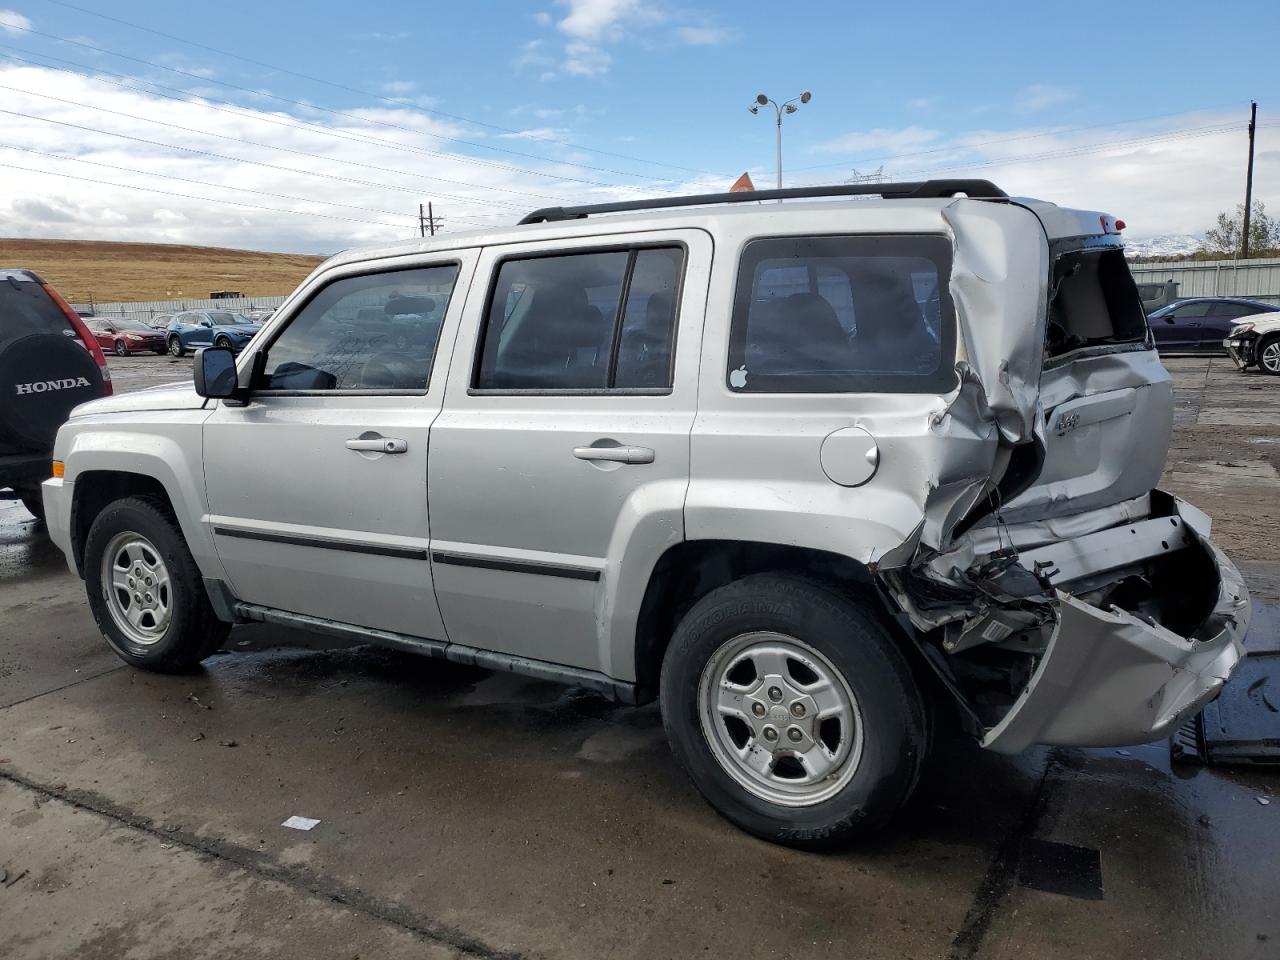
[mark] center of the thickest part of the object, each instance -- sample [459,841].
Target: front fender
[166,448]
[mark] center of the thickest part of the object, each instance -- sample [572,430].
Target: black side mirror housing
[215,373]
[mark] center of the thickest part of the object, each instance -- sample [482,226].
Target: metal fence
[1256,279]
[146,309]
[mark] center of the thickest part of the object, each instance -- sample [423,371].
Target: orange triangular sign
[743,185]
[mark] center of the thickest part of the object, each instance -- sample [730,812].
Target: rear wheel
[793,711]
[145,590]
[175,347]
[1269,356]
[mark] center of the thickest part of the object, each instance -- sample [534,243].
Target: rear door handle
[615,454]
[378,445]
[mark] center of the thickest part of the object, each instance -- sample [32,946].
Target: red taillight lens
[87,338]
[1120,225]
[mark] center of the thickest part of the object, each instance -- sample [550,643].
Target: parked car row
[174,333]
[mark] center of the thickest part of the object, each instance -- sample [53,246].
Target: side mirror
[215,373]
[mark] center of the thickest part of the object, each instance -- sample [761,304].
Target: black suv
[49,363]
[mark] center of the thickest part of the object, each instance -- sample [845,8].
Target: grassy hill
[110,271]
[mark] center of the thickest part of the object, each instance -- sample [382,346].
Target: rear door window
[1233,310]
[603,320]
[842,315]
[26,309]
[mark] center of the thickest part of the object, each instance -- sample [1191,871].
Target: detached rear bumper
[1108,678]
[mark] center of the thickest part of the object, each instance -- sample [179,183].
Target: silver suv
[819,475]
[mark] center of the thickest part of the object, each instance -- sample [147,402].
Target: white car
[1255,341]
[816,475]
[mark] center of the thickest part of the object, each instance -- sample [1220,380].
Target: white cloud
[1042,96]
[91,185]
[880,139]
[1171,177]
[536,133]
[921,103]
[398,88]
[591,26]
[11,21]
[542,18]
[583,59]
[704,36]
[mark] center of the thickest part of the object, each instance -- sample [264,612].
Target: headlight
[132,336]
[1241,328]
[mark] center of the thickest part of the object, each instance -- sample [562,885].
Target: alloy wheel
[136,587]
[780,718]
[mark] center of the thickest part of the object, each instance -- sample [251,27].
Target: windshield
[131,325]
[229,318]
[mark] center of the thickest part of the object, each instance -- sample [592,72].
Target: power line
[251,143]
[1028,136]
[187,196]
[329,110]
[210,103]
[1082,150]
[200,183]
[365,93]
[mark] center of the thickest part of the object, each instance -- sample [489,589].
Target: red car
[126,336]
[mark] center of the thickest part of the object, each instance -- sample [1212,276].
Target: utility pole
[426,220]
[1248,181]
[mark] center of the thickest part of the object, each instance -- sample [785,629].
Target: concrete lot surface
[471,814]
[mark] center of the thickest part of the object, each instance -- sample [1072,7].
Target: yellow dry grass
[107,271]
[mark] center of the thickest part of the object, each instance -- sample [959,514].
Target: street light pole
[779,109]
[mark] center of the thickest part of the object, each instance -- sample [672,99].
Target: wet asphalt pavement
[464,813]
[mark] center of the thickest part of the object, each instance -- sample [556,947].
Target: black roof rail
[984,189]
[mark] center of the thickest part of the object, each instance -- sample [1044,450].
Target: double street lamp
[779,109]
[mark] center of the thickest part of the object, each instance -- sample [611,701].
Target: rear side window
[375,332]
[26,309]
[843,315]
[602,320]
[1233,310]
[1094,302]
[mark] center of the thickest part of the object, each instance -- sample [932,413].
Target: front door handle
[378,445]
[615,454]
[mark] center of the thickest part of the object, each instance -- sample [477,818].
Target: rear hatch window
[26,309]
[1093,302]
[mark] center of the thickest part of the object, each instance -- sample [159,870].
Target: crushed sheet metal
[1000,287]
[1110,679]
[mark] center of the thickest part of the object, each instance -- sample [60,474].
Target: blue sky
[1138,108]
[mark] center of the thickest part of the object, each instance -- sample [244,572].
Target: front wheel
[222,342]
[121,349]
[145,589]
[793,710]
[175,347]
[1269,356]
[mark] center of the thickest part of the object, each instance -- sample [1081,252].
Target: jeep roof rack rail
[890,191]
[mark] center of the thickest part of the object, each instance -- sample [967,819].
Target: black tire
[122,349]
[175,347]
[1263,345]
[853,640]
[32,499]
[194,631]
[222,342]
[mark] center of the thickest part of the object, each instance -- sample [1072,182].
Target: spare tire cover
[42,377]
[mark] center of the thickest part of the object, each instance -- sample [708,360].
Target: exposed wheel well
[95,489]
[689,571]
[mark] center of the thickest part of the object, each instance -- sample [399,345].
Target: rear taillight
[87,338]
